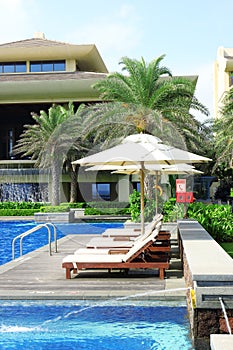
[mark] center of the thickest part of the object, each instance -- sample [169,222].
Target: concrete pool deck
[38,275]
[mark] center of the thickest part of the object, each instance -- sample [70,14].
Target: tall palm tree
[153,86]
[49,140]
[146,98]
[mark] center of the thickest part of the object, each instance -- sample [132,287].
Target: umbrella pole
[156,193]
[142,198]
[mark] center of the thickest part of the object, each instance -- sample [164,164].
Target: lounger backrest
[149,231]
[157,218]
[137,248]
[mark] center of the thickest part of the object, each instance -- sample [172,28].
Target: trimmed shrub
[55,209]
[107,211]
[216,219]
[75,205]
[172,210]
[21,205]
[107,204]
[18,212]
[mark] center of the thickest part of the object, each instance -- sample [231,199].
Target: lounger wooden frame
[138,260]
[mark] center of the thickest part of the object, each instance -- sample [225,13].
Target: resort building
[223,76]
[34,74]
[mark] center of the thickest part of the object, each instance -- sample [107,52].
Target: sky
[187,32]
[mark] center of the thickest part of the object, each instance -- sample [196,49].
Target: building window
[47,66]
[13,67]
[101,191]
[136,186]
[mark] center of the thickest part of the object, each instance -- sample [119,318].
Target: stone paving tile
[40,276]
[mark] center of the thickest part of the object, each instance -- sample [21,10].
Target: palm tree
[49,140]
[152,86]
[146,99]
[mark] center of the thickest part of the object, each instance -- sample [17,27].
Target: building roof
[50,87]
[39,48]
[33,42]
[225,56]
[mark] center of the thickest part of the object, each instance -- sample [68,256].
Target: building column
[123,188]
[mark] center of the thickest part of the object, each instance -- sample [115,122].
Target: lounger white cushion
[110,242]
[94,258]
[119,232]
[100,251]
[105,258]
[132,232]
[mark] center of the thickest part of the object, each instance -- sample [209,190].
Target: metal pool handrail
[34,229]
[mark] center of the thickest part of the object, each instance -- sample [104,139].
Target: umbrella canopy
[141,150]
[181,168]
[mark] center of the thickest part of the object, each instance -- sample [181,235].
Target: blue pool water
[61,325]
[10,229]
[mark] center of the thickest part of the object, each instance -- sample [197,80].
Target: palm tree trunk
[149,186]
[73,183]
[55,172]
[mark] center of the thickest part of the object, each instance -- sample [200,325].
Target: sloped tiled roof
[33,42]
[51,76]
[39,48]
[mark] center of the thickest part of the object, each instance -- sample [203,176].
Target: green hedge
[107,211]
[55,209]
[107,204]
[100,204]
[216,219]
[18,212]
[21,205]
[172,210]
[75,205]
[91,208]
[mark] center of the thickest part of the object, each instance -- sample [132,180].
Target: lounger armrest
[123,238]
[118,251]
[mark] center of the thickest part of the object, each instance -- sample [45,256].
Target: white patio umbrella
[181,168]
[141,150]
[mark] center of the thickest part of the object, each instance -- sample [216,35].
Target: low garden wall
[55,217]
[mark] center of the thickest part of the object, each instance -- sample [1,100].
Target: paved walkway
[40,276]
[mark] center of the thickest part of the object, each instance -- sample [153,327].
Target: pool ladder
[49,226]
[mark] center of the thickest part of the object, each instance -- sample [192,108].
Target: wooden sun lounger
[121,232]
[157,246]
[132,232]
[123,240]
[138,257]
[120,242]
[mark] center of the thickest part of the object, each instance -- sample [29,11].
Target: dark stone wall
[203,322]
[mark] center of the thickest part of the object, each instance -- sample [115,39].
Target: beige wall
[222,68]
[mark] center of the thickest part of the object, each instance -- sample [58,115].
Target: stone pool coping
[209,267]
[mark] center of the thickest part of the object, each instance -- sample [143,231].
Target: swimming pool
[104,325]
[10,229]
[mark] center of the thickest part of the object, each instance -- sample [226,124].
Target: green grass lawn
[228,247]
